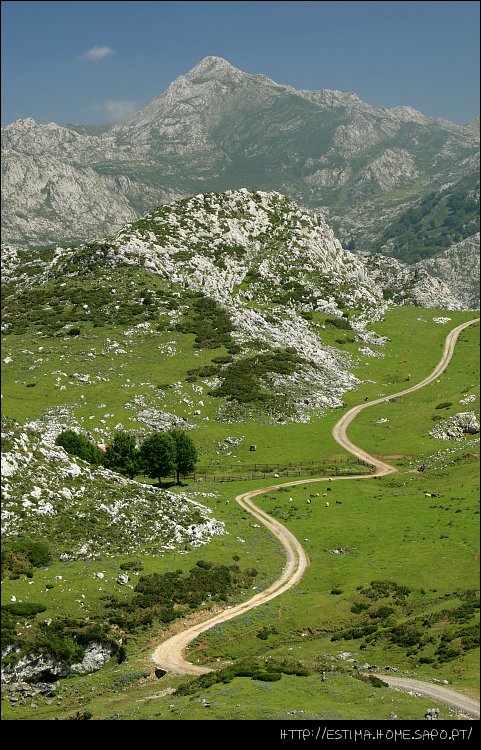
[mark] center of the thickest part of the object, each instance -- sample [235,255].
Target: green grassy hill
[172,323]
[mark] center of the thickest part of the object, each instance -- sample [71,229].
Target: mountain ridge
[217,128]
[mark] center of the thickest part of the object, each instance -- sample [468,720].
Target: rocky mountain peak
[217,128]
[25,124]
[473,125]
[214,67]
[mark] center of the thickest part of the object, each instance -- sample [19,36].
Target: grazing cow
[338,502]
[326,505]
[308,501]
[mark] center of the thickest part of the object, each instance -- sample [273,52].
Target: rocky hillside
[218,128]
[250,272]
[458,267]
[84,511]
[247,273]
[417,286]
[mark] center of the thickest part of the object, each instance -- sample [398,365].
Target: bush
[206,565]
[20,556]
[24,609]
[377,682]
[131,565]
[81,716]
[242,379]
[406,634]
[338,323]
[209,323]
[381,613]
[165,596]
[444,405]
[267,671]
[267,676]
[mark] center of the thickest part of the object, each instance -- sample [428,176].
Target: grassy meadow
[394,562]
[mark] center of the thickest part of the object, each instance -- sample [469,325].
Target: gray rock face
[412,285]
[216,128]
[44,667]
[96,655]
[458,268]
[456,427]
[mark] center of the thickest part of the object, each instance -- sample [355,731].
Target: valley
[286,282]
[280,622]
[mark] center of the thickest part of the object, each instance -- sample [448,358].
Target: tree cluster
[161,454]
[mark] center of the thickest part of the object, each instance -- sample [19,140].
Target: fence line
[284,466]
[332,470]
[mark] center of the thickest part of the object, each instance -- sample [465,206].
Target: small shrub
[377,682]
[267,676]
[444,405]
[24,609]
[206,565]
[131,565]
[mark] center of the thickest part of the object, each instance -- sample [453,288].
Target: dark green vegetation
[270,670]
[79,299]
[122,454]
[63,638]
[80,446]
[157,598]
[21,556]
[210,325]
[159,455]
[437,221]
[185,453]
[384,616]
[165,597]
[243,379]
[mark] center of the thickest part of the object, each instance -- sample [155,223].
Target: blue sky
[95,62]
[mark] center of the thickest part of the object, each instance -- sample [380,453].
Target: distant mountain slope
[218,128]
[458,267]
[437,221]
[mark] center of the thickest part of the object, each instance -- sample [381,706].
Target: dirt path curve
[169,655]
[439,693]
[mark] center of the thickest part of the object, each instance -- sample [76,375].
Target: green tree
[157,456]
[185,454]
[122,455]
[79,445]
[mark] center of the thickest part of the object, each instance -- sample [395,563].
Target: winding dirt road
[169,655]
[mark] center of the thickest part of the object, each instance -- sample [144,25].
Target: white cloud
[116,109]
[97,53]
